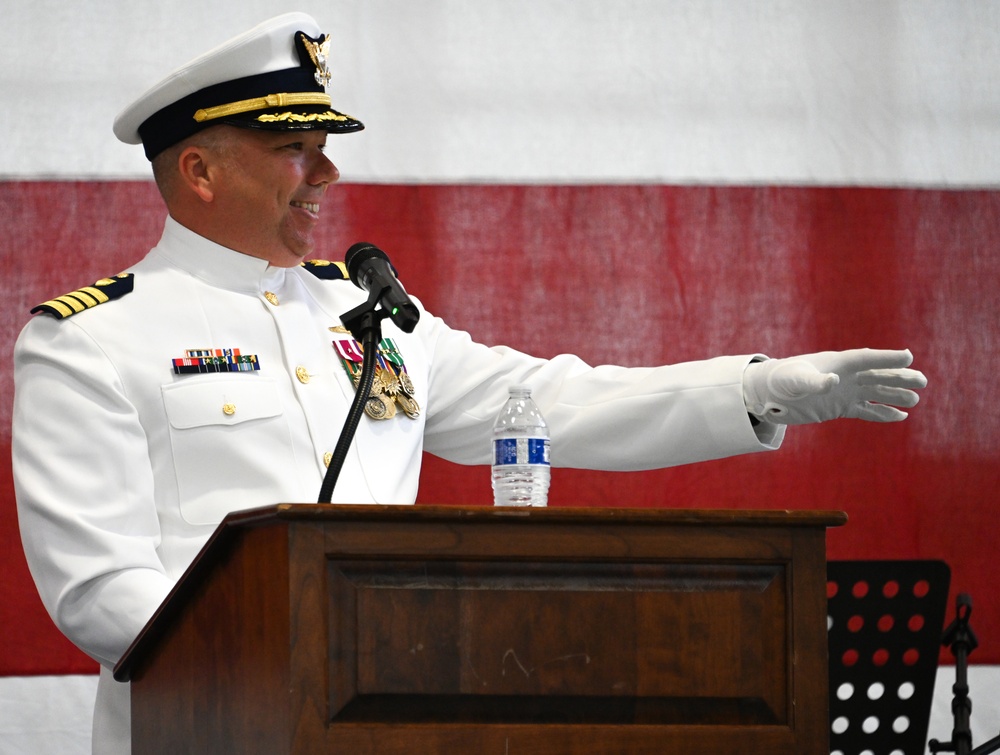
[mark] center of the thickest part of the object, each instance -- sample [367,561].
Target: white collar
[215,264]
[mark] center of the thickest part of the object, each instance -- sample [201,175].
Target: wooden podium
[306,628]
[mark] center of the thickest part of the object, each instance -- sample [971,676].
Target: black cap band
[177,121]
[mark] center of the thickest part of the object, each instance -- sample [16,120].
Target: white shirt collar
[215,264]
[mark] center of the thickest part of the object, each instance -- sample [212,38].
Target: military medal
[410,407]
[405,397]
[391,385]
[406,384]
[377,408]
[377,405]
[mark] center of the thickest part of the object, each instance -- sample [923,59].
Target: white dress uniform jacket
[124,468]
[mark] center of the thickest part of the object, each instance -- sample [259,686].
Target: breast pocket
[231,445]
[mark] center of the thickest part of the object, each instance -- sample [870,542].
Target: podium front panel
[541,642]
[370,629]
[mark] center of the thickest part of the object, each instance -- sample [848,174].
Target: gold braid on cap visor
[284,99]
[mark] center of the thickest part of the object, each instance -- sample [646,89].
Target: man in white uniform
[213,375]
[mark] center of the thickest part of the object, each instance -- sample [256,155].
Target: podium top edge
[568,515]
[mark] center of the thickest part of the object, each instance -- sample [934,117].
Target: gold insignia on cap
[281,99]
[302,117]
[319,53]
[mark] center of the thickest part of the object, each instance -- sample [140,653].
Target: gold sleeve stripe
[80,296]
[102,291]
[72,302]
[99,296]
[58,306]
[282,99]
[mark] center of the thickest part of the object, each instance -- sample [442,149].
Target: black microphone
[369,268]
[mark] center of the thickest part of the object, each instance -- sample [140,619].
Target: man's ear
[197,170]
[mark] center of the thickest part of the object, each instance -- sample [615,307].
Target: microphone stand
[364,322]
[961,640]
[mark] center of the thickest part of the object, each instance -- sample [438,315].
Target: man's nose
[324,171]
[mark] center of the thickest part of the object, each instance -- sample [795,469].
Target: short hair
[218,139]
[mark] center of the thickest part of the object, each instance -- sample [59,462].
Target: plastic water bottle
[520,452]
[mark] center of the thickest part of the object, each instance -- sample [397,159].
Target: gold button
[302,374]
[327,458]
[229,409]
[271,298]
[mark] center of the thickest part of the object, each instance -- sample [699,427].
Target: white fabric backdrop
[774,91]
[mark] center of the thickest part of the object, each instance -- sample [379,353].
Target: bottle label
[521,451]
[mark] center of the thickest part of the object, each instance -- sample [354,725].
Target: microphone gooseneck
[369,268]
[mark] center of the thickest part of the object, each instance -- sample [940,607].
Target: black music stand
[885,626]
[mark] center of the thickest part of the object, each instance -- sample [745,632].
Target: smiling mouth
[313,207]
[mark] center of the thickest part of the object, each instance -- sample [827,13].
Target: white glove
[861,383]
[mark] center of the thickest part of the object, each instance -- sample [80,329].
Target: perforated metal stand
[885,622]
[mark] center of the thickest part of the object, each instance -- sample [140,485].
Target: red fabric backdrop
[638,275]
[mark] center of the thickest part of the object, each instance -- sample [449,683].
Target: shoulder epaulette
[103,290]
[327,270]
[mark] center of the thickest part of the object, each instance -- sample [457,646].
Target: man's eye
[294,145]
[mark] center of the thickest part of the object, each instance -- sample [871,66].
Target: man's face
[269,190]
